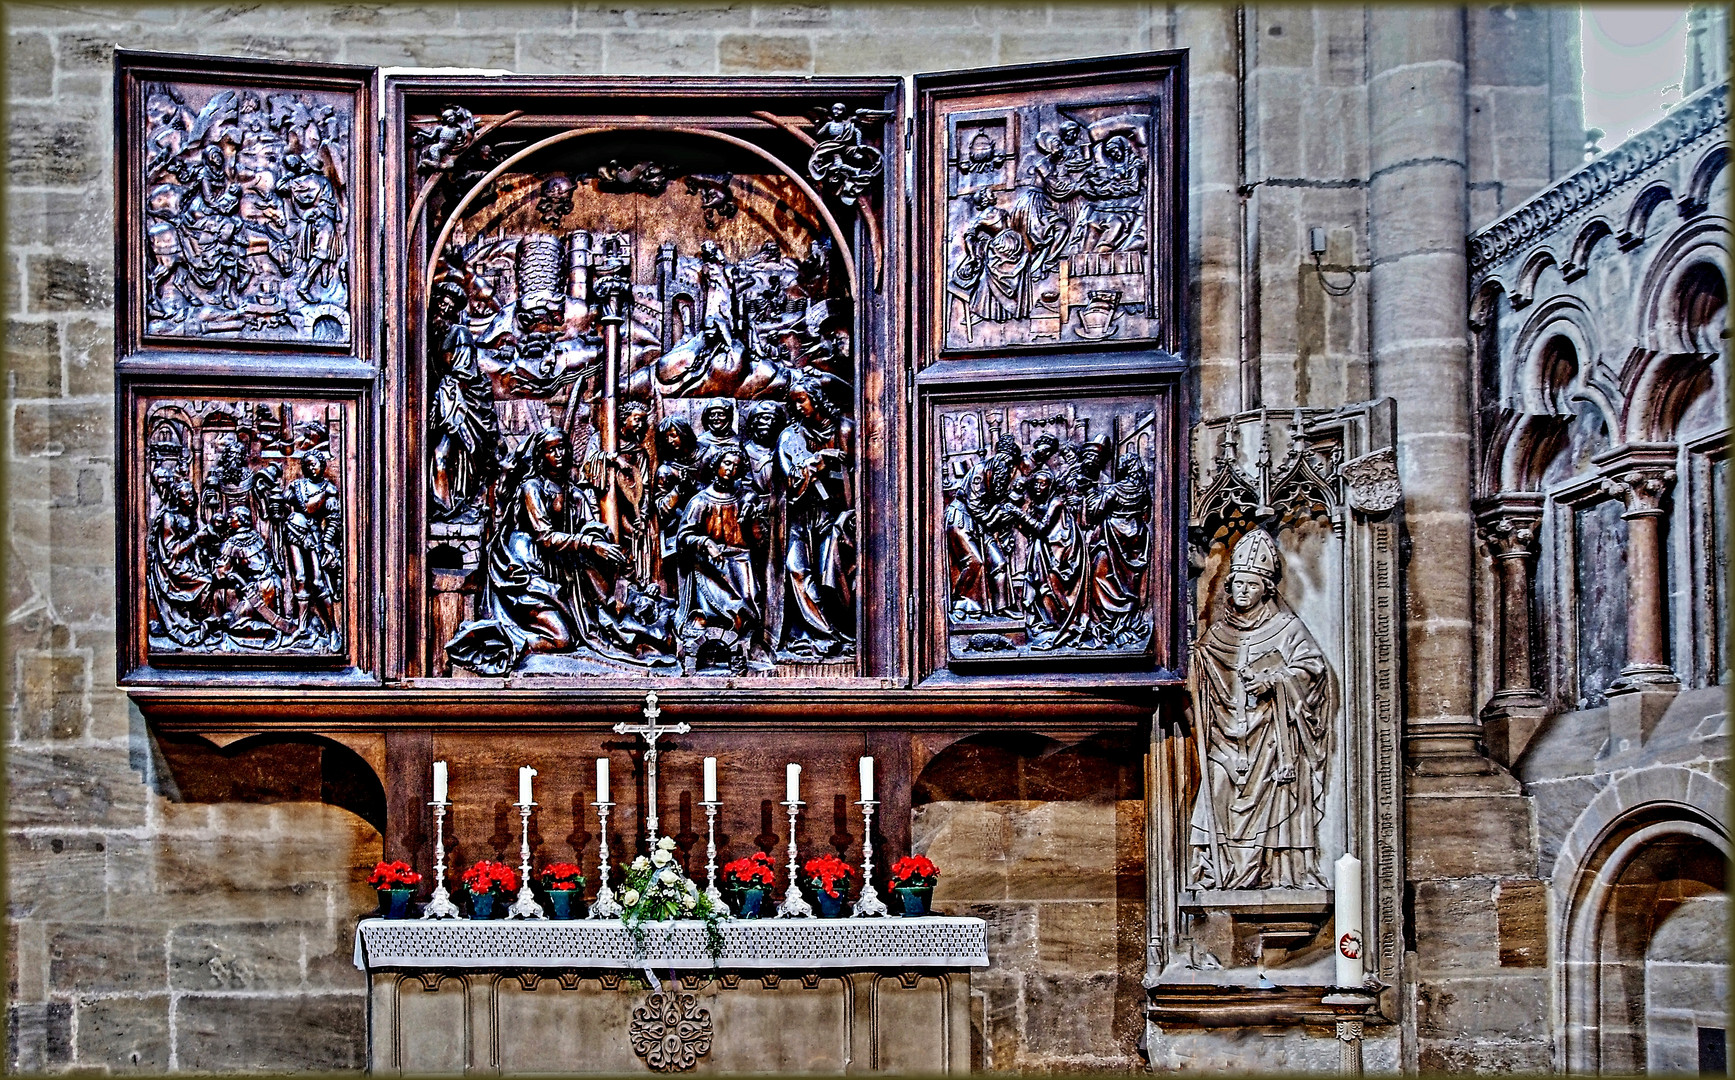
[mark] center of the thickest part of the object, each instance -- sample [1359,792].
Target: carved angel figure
[444,141]
[814,455]
[1263,703]
[841,160]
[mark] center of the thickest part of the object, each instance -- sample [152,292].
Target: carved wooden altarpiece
[827,421]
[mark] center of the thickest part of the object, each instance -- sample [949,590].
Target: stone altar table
[800,995]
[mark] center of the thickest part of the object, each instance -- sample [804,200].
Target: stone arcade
[1252,484]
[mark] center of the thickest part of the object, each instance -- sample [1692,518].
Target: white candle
[439,781]
[1349,926]
[867,779]
[792,785]
[524,775]
[710,779]
[602,779]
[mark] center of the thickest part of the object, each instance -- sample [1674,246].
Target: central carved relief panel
[640,423]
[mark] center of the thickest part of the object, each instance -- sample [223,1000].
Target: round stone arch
[1619,845]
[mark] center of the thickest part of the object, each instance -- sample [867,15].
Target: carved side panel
[245,529]
[245,198]
[1048,528]
[1050,210]
[641,455]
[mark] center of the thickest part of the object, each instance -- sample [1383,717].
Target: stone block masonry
[147,933]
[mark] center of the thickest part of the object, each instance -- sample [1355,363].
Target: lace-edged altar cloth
[928,942]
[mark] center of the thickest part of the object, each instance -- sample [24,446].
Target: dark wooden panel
[1053,209]
[245,540]
[244,199]
[688,250]
[1048,529]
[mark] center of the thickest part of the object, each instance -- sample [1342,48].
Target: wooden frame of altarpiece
[426,385]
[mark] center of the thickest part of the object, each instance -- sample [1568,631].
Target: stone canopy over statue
[1263,709]
[641,444]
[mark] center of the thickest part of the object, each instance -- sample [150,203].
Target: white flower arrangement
[658,890]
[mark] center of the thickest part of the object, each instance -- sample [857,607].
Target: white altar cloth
[929,942]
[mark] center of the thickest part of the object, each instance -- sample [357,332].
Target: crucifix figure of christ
[651,731]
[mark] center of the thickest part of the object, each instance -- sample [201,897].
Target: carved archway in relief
[1639,868]
[641,455]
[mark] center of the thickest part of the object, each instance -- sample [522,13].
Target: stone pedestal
[786,996]
[589,1021]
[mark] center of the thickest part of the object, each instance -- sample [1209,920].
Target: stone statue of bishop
[1263,706]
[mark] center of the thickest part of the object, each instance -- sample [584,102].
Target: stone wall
[144,924]
[150,932]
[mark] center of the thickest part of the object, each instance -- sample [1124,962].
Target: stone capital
[1511,525]
[1641,489]
[1512,535]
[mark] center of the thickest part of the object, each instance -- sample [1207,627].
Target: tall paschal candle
[792,784]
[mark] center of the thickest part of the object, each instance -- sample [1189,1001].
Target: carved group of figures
[660,474]
[1049,242]
[245,213]
[1052,542]
[247,553]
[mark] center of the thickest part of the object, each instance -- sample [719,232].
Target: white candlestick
[439,781]
[710,779]
[792,785]
[524,775]
[1349,925]
[867,779]
[602,780]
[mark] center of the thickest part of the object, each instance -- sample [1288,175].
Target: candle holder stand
[711,889]
[793,906]
[440,906]
[868,904]
[525,907]
[605,905]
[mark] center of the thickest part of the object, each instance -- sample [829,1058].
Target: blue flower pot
[830,907]
[563,901]
[751,901]
[395,903]
[482,905]
[915,898]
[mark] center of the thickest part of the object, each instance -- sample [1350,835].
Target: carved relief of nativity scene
[641,421]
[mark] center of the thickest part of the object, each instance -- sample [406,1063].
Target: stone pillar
[1510,529]
[1420,294]
[1642,490]
[1214,160]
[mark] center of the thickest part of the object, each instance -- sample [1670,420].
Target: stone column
[1214,159]
[1420,294]
[1642,490]
[1510,529]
